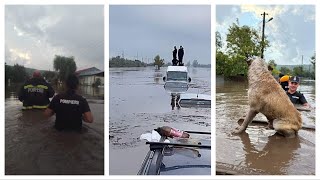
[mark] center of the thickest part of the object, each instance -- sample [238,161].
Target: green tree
[195,63]
[241,42]
[157,61]
[19,73]
[313,61]
[272,63]
[50,75]
[221,63]
[297,71]
[8,73]
[65,66]
[121,62]
[285,70]
[218,41]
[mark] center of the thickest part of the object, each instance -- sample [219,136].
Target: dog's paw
[238,130]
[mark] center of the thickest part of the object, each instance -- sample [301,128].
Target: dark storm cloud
[34,34]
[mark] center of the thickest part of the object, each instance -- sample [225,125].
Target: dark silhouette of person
[70,108]
[174,52]
[180,55]
[175,62]
[35,92]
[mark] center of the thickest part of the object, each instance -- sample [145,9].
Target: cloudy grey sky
[143,31]
[291,32]
[34,34]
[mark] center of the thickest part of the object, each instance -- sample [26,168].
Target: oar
[261,122]
[197,132]
[302,108]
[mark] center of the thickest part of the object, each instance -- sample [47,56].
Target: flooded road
[259,151]
[138,104]
[33,146]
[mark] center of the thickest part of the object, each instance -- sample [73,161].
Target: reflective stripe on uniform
[38,86]
[40,107]
[35,107]
[27,107]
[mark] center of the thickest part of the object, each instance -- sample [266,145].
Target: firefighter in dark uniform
[174,54]
[35,92]
[296,97]
[70,108]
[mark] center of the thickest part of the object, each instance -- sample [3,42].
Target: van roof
[177,68]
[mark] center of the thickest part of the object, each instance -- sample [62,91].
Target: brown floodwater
[138,104]
[260,151]
[34,147]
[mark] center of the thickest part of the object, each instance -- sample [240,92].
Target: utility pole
[301,63]
[263,25]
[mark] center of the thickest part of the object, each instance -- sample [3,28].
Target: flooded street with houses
[138,103]
[34,147]
[259,151]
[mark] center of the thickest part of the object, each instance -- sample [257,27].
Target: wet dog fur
[267,97]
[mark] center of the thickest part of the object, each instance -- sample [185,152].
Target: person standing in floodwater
[70,108]
[180,55]
[35,92]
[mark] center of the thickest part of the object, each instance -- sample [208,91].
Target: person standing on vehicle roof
[174,52]
[35,92]
[70,108]
[180,55]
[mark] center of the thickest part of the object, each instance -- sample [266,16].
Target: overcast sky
[143,31]
[35,33]
[291,32]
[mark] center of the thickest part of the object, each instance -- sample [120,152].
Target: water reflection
[92,92]
[175,101]
[158,77]
[12,90]
[274,158]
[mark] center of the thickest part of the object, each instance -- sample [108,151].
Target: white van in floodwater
[176,80]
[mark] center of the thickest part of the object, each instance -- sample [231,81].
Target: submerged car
[186,156]
[176,80]
[194,100]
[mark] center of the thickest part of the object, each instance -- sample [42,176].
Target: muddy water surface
[138,104]
[260,151]
[33,146]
